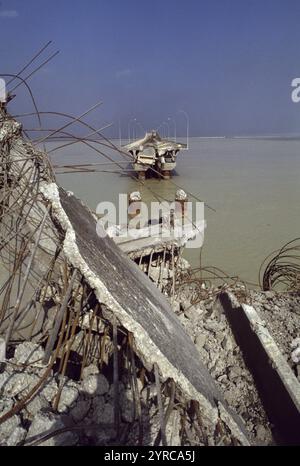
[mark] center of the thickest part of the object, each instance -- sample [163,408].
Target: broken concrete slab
[137,305]
[276,382]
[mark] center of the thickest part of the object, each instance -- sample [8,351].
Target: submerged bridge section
[154,155]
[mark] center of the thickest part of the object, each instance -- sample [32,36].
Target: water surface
[253,185]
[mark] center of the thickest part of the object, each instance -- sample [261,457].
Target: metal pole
[164,123]
[128,126]
[120,134]
[175,127]
[187,126]
[129,123]
[141,126]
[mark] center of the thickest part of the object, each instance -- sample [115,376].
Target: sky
[228,64]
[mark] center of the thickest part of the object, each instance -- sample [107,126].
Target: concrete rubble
[116,333]
[274,377]
[66,266]
[207,325]
[88,403]
[91,400]
[281,314]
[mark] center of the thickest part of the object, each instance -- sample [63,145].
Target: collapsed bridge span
[53,264]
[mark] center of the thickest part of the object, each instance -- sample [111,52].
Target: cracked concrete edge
[277,360]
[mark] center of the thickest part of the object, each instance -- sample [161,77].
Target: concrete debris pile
[63,285]
[92,352]
[85,412]
[209,328]
[259,333]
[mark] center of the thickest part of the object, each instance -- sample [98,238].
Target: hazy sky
[228,63]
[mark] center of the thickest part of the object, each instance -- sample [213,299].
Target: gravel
[281,314]
[89,402]
[207,325]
